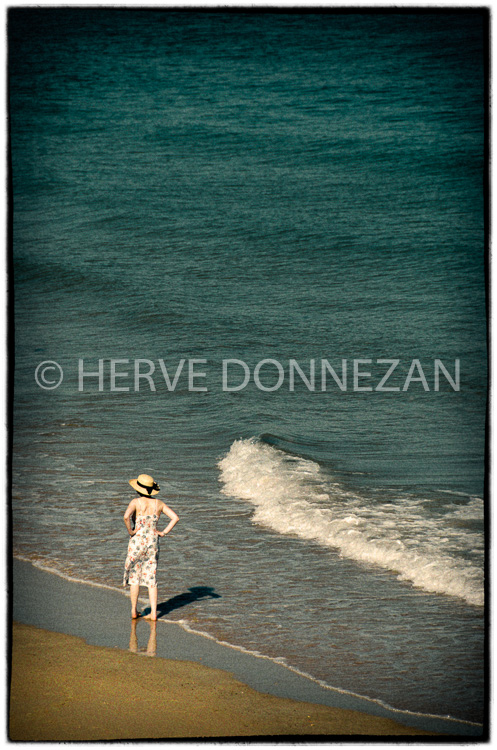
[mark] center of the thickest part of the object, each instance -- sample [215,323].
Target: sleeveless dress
[143,552]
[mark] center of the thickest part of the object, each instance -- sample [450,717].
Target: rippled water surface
[305,187]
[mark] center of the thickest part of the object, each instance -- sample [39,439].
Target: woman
[143,549]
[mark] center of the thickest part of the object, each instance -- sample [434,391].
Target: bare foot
[135,615]
[150,617]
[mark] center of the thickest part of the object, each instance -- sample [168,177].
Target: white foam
[282,661]
[291,496]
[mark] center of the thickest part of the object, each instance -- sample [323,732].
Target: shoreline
[99,615]
[65,690]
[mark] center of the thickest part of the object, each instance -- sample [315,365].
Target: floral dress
[143,552]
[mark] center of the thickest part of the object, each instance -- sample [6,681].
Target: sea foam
[438,552]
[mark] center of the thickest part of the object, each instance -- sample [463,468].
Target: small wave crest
[291,495]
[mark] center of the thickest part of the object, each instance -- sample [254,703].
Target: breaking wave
[436,549]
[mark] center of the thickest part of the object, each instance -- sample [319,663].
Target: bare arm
[130,510]
[174,520]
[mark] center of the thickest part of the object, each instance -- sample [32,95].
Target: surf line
[360,375]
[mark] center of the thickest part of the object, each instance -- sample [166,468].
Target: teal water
[262,186]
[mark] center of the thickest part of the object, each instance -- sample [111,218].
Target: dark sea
[288,190]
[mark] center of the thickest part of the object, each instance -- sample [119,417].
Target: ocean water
[194,187]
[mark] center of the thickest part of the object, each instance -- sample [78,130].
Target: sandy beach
[63,689]
[82,670]
[249,259]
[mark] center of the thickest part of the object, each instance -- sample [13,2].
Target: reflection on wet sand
[151,648]
[194,594]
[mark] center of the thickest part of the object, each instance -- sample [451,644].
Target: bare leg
[152,595]
[134,590]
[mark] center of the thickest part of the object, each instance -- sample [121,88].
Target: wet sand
[75,678]
[64,689]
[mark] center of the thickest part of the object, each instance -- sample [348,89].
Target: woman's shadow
[194,594]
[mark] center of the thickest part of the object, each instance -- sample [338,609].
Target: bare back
[141,507]
[147,506]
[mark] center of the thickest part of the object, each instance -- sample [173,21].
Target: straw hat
[145,485]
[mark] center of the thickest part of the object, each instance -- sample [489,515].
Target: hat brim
[142,490]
